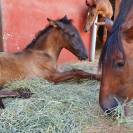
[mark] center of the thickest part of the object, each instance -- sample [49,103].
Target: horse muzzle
[83,57]
[109,104]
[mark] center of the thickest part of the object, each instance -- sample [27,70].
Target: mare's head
[60,34]
[116,61]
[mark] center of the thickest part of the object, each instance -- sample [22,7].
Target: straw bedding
[68,107]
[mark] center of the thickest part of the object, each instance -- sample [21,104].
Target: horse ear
[65,17]
[90,2]
[128,33]
[60,24]
[127,30]
[52,22]
[126,26]
[55,23]
[86,2]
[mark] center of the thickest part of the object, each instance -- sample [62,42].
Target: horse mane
[114,44]
[46,31]
[37,36]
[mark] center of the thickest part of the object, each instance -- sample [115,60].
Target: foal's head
[71,39]
[60,34]
[116,61]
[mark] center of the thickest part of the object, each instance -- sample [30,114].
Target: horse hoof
[24,93]
[1,104]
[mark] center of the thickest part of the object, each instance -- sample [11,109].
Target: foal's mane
[114,44]
[45,31]
[38,35]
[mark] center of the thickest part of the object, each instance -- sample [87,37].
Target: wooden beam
[1,35]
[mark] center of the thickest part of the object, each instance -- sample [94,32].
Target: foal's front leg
[13,94]
[73,74]
[1,104]
[4,94]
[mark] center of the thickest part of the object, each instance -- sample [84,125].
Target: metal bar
[93,41]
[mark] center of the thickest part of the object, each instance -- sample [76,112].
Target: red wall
[22,19]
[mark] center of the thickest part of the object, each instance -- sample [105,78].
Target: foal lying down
[39,58]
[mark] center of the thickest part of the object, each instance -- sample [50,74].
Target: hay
[69,107]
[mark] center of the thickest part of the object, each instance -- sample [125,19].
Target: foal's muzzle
[84,56]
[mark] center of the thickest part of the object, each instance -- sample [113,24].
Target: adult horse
[39,58]
[116,61]
[95,8]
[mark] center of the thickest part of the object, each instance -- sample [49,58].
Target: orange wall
[22,19]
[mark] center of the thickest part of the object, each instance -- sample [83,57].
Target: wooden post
[1,36]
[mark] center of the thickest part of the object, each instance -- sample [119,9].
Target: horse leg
[73,74]
[1,104]
[108,23]
[104,35]
[4,94]
[117,8]
[15,93]
[24,93]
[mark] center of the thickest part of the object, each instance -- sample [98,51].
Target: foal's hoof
[24,93]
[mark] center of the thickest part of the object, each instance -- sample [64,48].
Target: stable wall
[22,19]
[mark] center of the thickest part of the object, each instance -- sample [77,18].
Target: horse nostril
[85,57]
[109,105]
[85,30]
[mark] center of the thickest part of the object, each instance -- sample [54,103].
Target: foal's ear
[65,17]
[55,23]
[60,25]
[52,22]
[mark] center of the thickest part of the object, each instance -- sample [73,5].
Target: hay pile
[69,107]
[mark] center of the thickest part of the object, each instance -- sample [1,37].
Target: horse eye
[73,35]
[119,64]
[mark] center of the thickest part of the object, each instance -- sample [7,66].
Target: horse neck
[52,44]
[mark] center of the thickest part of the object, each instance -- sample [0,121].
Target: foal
[39,58]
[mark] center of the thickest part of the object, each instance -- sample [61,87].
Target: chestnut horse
[95,8]
[116,61]
[39,58]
